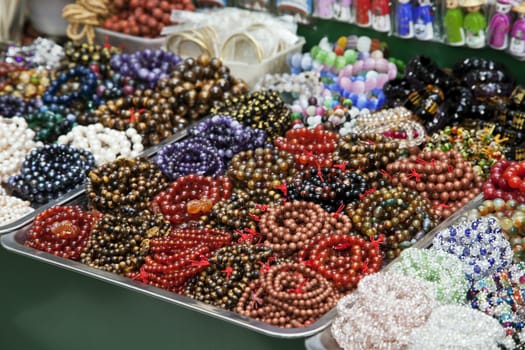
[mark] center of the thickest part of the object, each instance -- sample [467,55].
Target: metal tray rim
[9,242]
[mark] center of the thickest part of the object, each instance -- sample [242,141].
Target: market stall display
[310,197]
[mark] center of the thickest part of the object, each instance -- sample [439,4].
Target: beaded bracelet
[230,271]
[105,144]
[16,140]
[125,185]
[501,296]
[25,84]
[341,259]
[479,244]
[182,254]
[62,231]
[376,72]
[145,67]
[190,197]
[297,87]
[382,312]
[148,112]
[261,173]
[197,84]
[246,214]
[331,188]
[190,156]
[288,228]
[288,295]
[12,208]
[118,243]
[368,152]
[48,126]
[229,136]
[397,123]
[457,327]
[261,109]
[12,106]
[42,52]
[511,217]
[399,217]
[85,89]
[438,268]
[96,57]
[444,178]
[366,101]
[478,146]
[50,171]
[310,147]
[497,185]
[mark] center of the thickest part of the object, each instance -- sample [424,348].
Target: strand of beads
[457,327]
[511,217]
[400,214]
[310,147]
[145,67]
[50,171]
[48,126]
[501,296]
[175,258]
[342,259]
[235,213]
[261,109]
[191,197]
[514,176]
[16,141]
[119,243]
[438,268]
[147,111]
[289,295]
[328,187]
[82,89]
[497,185]
[231,270]
[124,185]
[12,106]
[12,208]
[190,156]
[229,136]
[318,110]
[95,56]
[288,227]
[42,53]
[478,243]
[105,144]
[444,178]
[25,84]
[62,231]
[476,145]
[261,172]
[199,83]
[396,123]
[382,312]
[297,86]
[370,153]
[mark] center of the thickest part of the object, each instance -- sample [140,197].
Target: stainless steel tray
[77,192]
[14,242]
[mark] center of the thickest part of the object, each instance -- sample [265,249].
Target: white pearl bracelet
[16,141]
[12,208]
[105,144]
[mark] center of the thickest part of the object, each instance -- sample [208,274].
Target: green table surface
[47,308]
